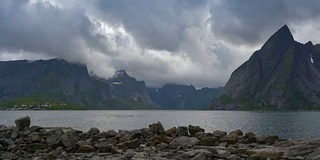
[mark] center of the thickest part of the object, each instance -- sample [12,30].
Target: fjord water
[284,124]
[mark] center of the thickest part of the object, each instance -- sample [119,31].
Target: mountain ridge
[279,76]
[58,81]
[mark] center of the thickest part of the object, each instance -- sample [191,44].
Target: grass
[38,103]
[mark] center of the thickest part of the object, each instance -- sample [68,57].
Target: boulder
[156,128]
[70,142]
[184,141]
[86,148]
[261,139]
[167,139]
[103,146]
[271,139]
[249,134]
[237,132]
[219,134]
[93,131]
[36,138]
[133,144]
[194,129]
[208,141]
[303,149]
[171,132]
[54,141]
[251,140]
[182,131]
[111,133]
[314,155]
[36,128]
[195,152]
[81,143]
[23,122]
[271,152]
[36,146]
[101,136]
[230,139]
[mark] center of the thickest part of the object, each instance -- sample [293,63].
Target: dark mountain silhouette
[282,75]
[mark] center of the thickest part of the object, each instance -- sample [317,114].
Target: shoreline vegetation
[37,104]
[24,141]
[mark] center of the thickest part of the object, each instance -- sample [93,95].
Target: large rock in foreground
[22,123]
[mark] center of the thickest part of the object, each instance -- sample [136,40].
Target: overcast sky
[197,42]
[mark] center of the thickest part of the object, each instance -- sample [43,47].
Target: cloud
[252,22]
[162,41]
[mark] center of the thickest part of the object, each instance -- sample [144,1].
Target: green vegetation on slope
[36,103]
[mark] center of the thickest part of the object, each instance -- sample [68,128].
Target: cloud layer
[161,41]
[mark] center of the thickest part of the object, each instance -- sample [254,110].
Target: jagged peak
[309,44]
[120,74]
[282,37]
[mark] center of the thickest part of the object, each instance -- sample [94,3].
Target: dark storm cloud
[155,24]
[251,21]
[44,28]
[159,41]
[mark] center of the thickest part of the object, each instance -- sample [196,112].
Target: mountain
[282,75]
[60,81]
[123,86]
[173,96]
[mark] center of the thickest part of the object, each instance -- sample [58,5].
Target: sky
[199,42]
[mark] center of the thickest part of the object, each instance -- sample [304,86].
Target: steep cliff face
[283,74]
[59,80]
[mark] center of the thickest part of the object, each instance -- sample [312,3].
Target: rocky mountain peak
[279,41]
[120,74]
[283,74]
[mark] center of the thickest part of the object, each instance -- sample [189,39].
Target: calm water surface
[284,124]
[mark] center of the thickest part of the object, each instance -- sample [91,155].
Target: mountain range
[283,75]
[57,80]
[173,96]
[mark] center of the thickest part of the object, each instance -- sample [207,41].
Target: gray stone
[36,146]
[53,155]
[36,138]
[54,141]
[93,131]
[219,134]
[182,131]
[208,141]
[272,152]
[156,128]
[230,139]
[184,141]
[23,122]
[133,144]
[237,132]
[111,133]
[315,155]
[194,129]
[271,139]
[200,156]
[35,128]
[97,158]
[86,148]
[70,142]
[234,157]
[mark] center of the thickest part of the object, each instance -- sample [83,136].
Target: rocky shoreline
[178,143]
